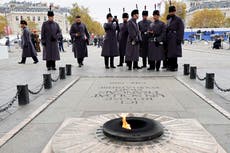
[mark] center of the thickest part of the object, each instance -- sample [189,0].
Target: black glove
[157,44]
[25,46]
[43,44]
[178,42]
[53,39]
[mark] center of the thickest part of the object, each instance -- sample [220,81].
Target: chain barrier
[221,89]
[6,106]
[199,78]
[36,92]
[55,80]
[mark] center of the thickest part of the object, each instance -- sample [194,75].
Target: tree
[207,19]
[227,22]
[3,24]
[32,25]
[92,26]
[180,7]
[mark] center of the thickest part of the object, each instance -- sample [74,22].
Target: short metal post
[47,81]
[23,94]
[193,71]
[186,69]
[210,80]
[68,69]
[62,73]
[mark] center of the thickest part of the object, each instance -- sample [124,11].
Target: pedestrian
[60,43]
[123,37]
[80,38]
[37,41]
[28,49]
[110,45]
[175,37]
[143,26]
[133,42]
[157,37]
[49,36]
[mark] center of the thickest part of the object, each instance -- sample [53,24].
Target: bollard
[193,72]
[62,73]
[23,94]
[68,69]
[47,81]
[186,69]
[210,80]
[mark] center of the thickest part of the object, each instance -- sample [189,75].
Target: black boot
[112,63]
[129,64]
[158,64]
[121,61]
[23,61]
[135,65]
[151,66]
[106,59]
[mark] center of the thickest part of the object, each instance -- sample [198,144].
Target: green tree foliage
[227,22]
[180,7]
[92,25]
[3,24]
[207,18]
[32,25]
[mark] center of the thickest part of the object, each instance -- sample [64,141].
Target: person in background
[60,43]
[50,33]
[28,49]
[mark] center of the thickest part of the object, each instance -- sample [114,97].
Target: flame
[125,124]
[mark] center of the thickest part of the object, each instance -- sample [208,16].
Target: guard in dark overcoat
[28,49]
[80,36]
[50,34]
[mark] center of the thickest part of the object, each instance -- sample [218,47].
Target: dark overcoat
[80,41]
[133,42]
[156,49]
[143,26]
[28,49]
[49,36]
[110,45]
[175,35]
[122,38]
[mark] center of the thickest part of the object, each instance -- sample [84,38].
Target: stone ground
[180,102]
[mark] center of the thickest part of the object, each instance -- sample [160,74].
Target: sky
[99,8]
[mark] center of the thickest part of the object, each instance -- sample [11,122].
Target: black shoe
[158,70]
[151,69]
[53,68]
[164,67]
[35,62]
[144,66]
[79,65]
[106,67]
[49,68]
[173,69]
[129,68]
[21,63]
[113,67]
[120,65]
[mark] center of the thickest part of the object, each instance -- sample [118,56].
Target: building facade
[35,12]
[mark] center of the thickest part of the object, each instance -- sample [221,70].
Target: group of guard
[153,41]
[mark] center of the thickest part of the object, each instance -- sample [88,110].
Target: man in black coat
[80,37]
[133,42]
[110,45]
[143,26]
[49,36]
[175,37]
[28,49]
[122,38]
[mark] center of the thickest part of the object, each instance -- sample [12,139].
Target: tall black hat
[145,12]
[50,12]
[134,12]
[156,12]
[23,22]
[125,15]
[172,9]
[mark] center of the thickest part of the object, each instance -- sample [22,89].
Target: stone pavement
[183,103]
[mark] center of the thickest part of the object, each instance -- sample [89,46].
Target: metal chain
[36,92]
[55,80]
[10,104]
[199,78]
[221,89]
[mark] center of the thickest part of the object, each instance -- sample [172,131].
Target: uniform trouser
[107,61]
[130,63]
[50,64]
[144,60]
[122,59]
[33,57]
[172,63]
[61,47]
[155,64]
[80,60]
